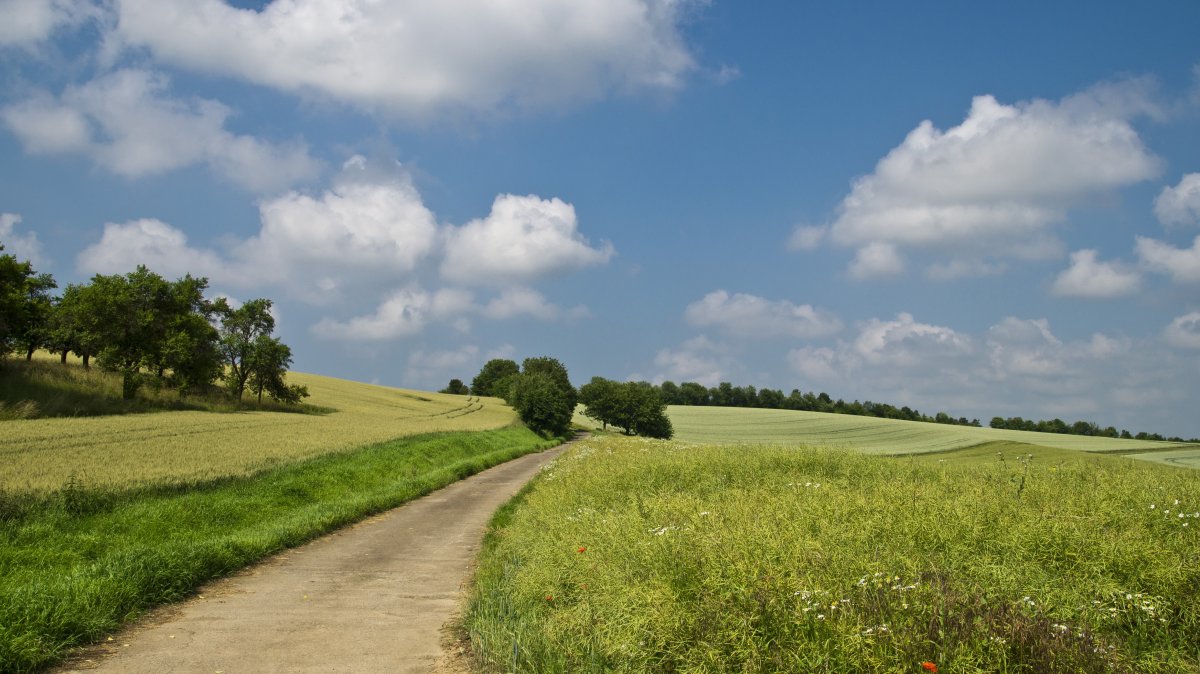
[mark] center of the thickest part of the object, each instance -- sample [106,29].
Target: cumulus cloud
[1180,205]
[1184,331]
[1089,278]
[21,246]
[126,122]
[28,22]
[1017,367]
[522,239]
[355,233]
[994,185]
[417,58]
[405,313]
[513,302]
[698,359]
[1182,264]
[754,317]
[807,237]
[154,243]
[876,260]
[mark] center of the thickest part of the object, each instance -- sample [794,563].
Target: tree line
[148,330]
[1078,428]
[540,391]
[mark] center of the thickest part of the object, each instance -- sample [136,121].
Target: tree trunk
[86,358]
[62,357]
[29,353]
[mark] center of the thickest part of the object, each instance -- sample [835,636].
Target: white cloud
[1017,367]
[28,22]
[354,233]
[513,302]
[1180,205]
[405,313]
[21,246]
[808,237]
[1184,331]
[125,122]
[754,317]
[161,247]
[698,359]
[876,260]
[1183,264]
[1089,278]
[522,239]
[904,342]
[418,58]
[994,185]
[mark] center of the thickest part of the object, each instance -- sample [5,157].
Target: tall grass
[642,556]
[77,562]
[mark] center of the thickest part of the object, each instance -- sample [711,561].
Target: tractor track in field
[376,596]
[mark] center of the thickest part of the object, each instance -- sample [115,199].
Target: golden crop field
[171,447]
[732,425]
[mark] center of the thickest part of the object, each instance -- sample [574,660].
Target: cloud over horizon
[995,185]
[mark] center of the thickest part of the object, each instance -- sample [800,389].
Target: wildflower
[549,597]
[929,667]
[582,549]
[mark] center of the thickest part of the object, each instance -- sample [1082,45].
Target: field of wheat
[732,425]
[189,446]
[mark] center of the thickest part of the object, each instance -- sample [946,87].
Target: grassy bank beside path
[630,555]
[77,562]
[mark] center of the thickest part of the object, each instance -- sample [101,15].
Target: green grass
[631,555]
[78,562]
[732,425]
[45,388]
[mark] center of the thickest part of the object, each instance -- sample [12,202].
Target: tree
[456,387]
[240,331]
[635,407]
[599,399]
[130,315]
[25,305]
[557,372]
[540,403]
[486,383]
[267,366]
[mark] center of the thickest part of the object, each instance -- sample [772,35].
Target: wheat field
[188,446]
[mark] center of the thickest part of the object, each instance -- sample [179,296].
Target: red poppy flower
[583,548]
[550,597]
[929,667]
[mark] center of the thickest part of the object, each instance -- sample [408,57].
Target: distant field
[732,425]
[167,447]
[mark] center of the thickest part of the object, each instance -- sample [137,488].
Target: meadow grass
[631,555]
[78,562]
[169,447]
[730,425]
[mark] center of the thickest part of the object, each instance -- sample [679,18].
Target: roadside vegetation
[635,555]
[78,561]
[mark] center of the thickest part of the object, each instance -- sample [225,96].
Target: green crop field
[731,425]
[188,446]
[631,555]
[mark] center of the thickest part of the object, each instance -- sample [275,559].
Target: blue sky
[983,210]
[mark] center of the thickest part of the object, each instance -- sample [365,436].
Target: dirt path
[370,598]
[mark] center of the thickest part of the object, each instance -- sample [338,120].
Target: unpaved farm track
[372,597]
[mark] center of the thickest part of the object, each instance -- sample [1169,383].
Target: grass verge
[76,563]
[642,556]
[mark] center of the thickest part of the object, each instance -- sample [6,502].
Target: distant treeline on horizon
[726,394]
